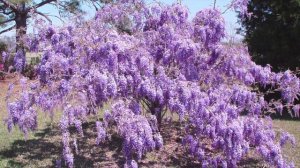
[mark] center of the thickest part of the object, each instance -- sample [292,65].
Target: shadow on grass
[27,152]
[251,162]
[108,154]
[46,149]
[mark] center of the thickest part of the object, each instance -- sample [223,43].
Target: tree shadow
[46,148]
[32,151]
[173,153]
[107,154]
[252,162]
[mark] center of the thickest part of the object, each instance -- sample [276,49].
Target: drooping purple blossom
[34,44]
[58,163]
[241,7]
[209,27]
[101,133]
[20,60]
[296,109]
[4,56]
[131,164]
[285,137]
[75,146]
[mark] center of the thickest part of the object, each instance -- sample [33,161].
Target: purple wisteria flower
[20,60]
[4,56]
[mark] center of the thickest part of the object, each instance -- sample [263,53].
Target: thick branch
[7,21]
[9,29]
[7,13]
[9,5]
[4,8]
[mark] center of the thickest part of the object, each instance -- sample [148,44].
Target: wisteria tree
[166,63]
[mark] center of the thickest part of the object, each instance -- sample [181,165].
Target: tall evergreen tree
[273,32]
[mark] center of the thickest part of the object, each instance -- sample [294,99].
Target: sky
[193,5]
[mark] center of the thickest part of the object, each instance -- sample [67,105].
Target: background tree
[14,14]
[273,33]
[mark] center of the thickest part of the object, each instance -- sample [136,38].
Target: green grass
[43,147]
[11,140]
[293,127]
[8,139]
[16,139]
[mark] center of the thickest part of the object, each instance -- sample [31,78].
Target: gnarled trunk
[21,29]
[21,26]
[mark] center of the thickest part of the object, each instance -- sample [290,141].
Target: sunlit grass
[293,127]
[7,138]
[8,141]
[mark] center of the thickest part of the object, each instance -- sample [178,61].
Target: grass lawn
[293,127]
[43,147]
[15,140]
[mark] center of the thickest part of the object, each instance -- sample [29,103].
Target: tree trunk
[21,29]
[156,110]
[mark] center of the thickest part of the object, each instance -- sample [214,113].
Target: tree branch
[57,18]
[230,6]
[6,21]
[67,7]
[94,5]
[7,13]
[9,5]
[41,4]
[4,8]
[9,29]
[215,1]
[44,15]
